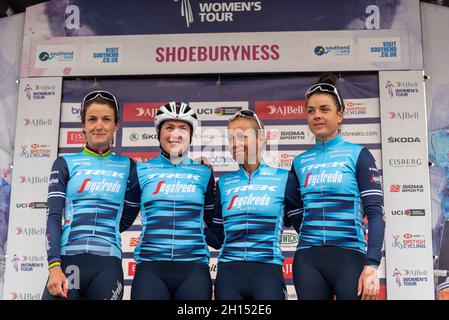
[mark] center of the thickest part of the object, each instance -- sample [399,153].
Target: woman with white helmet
[177,206]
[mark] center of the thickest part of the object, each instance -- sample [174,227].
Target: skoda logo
[134,136]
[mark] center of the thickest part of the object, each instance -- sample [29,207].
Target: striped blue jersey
[251,210]
[339,184]
[177,205]
[86,195]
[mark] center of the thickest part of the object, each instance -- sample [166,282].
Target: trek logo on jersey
[187,176]
[324,165]
[252,187]
[178,187]
[90,186]
[251,200]
[90,172]
[323,177]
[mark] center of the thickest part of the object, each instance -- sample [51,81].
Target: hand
[203,160]
[369,284]
[57,283]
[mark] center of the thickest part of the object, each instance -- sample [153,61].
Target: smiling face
[322,116]
[99,126]
[175,137]
[245,140]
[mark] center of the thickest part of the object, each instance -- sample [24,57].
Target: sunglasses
[324,87]
[248,114]
[102,94]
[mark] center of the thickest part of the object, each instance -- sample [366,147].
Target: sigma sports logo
[403,140]
[90,172]
[174,188]
[409,241]
[407,188]
[409,212]
[403,115]
[410,277]
[286,135]
[212,11]
[92,187]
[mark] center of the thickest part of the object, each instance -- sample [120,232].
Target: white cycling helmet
[176,111]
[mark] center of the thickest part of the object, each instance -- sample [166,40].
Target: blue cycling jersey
[339,184]
[252,210]
[88,191]
[177,201]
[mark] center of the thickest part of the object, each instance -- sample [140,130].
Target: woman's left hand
[369,284]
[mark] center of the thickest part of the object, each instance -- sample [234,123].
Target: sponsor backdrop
[36,144]
[180,37]
[12,30]
[278,100]
[408,236]
[65,39]
[435,24]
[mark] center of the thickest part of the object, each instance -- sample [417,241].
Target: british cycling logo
[409,241]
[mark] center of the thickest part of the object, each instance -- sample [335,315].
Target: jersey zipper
[324,204]
[174,218]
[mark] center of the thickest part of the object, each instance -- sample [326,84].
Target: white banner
[292,51]
[10,54]
[36,144]
[408,239]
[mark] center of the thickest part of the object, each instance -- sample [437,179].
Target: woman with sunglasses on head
[339,186]
[177,206]
[95,194]
[251,207]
